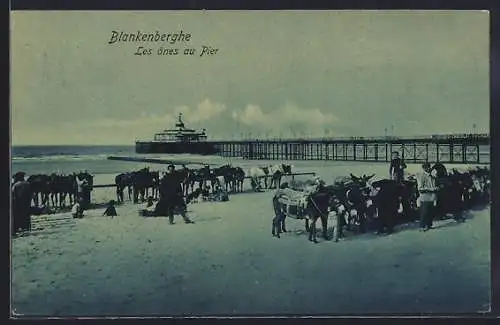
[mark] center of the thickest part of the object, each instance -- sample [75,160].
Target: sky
[275,73]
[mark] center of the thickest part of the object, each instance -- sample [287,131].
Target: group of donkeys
[358,203]
[144,183]
[56,190]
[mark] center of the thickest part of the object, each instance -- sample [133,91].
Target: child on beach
[77,209]
[148,209]
[110,210]
[220,194]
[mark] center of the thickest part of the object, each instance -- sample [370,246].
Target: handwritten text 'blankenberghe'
[150,43]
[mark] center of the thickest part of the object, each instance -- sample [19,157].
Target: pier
[448,148]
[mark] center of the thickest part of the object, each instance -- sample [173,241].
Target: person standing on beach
[397,167]
[83,189]
[171,196]
[21,203]
[439,172]
[427,190]
[386,199]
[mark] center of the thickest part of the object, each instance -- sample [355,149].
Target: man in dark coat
[21,203]
[387,202]
[171,196]
[439,172]
[397,167]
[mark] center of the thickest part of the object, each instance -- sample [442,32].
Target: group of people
[171,201]
[22,195]
[426,184]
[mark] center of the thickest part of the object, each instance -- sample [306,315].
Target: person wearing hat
[21,203]
[171,196]
[427,189]
[397,167]
[110,209]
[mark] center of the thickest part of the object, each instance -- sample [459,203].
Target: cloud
[141,126]
[289,118]
[204,111]
[252,114]
[221,123]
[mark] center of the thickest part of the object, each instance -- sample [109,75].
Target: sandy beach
[228,263]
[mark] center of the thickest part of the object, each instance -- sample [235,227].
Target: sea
[68,159]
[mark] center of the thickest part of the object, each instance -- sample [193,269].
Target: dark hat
[171,166]
[284,185]
[19,175]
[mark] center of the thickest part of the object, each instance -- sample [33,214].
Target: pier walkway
[452,148]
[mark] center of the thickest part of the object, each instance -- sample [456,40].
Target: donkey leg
[307,224]
[324,224]
[283,226]
[275,227]
[135,195]
[362,222]
[312,231]
[336,225]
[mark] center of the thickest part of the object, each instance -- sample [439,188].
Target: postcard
[250,163]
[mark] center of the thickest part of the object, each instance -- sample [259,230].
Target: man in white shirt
[427,190]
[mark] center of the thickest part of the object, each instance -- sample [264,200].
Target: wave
[66,153]
[65,157]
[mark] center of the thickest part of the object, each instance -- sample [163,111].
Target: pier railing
[446,148]
[432,137]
